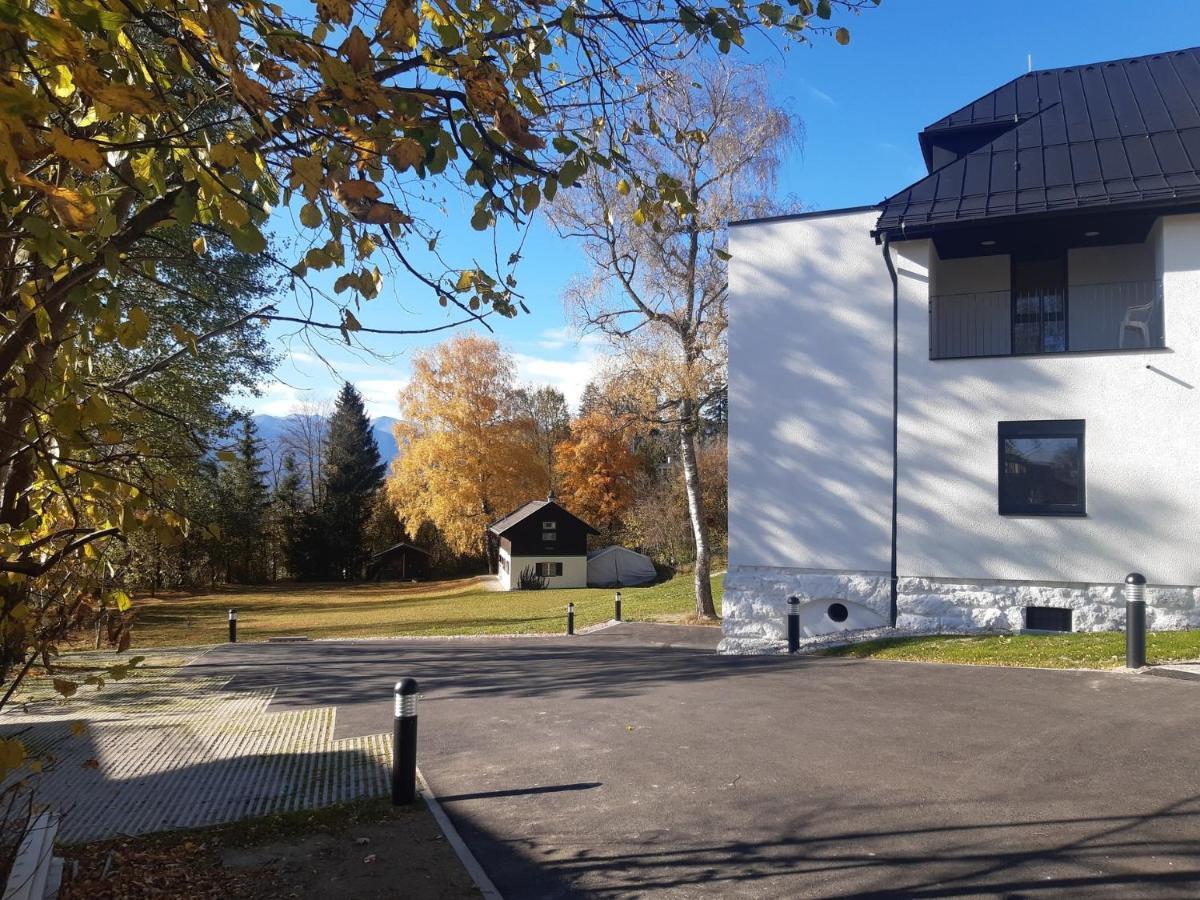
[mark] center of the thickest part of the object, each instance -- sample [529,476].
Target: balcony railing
[1116,316]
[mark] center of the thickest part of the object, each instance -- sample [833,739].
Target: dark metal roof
[1118,133]
[526,510]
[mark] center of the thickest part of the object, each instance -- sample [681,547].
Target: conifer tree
[244,500]
[353,474]
[287,514]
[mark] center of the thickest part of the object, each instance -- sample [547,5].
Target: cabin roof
[403,545]
[528,509]
[1123,133]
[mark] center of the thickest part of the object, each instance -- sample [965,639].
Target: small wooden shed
[399,562]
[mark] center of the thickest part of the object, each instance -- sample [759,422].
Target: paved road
[632,762]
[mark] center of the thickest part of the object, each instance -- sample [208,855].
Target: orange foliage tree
[595,469]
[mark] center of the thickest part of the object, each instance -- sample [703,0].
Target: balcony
[1085,318]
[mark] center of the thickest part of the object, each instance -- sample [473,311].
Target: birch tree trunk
[691,480]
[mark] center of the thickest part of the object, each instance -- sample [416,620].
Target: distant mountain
[385,438]
[272,429]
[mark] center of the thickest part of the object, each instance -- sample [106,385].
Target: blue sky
[909,63]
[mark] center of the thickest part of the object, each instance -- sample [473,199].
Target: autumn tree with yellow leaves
[466,454]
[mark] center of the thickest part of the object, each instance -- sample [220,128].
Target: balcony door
[1039,305]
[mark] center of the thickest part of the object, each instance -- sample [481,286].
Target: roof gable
[403,545]
[1120,132]
[526,510]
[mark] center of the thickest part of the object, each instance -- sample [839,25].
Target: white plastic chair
[1137,318]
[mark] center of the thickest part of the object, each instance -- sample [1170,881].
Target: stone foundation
[754,607]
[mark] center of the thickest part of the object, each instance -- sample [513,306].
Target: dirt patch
[367,850]
[405,857]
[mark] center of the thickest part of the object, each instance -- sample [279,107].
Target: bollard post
[617,607]
[404,743]
[233,626]
[570,618]
[793,620]
[1135,620]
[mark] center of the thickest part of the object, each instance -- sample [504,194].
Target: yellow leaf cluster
[466,459]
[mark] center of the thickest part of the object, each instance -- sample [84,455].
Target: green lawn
[1052,651]
[384,610]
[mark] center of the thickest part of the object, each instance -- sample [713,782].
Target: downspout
[894,580]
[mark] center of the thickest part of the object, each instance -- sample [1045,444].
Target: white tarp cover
[618,567]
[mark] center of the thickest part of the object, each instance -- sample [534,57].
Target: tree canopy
[353,473]
[364,119]
[596,470]
[658,294]
[466,457]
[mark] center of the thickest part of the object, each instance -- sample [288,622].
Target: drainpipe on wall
[887,258]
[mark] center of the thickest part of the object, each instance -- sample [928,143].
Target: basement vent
[1047,618]
[837,612]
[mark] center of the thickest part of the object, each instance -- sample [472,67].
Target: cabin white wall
[574,571]
[505,573]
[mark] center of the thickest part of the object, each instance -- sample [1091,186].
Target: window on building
[549,569]
[1041,468]
[549,535]
[1039,305]
[549,526]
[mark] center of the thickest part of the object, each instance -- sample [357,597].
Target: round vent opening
[837,612]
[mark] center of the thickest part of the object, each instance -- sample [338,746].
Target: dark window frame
[548,569]
[1013,260]
[1042,428]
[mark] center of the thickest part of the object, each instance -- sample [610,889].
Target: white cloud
[818,94]
[380,395]
[301,357]
[568,375]
[566,336]
[277,399]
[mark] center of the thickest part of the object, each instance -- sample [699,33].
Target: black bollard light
[793,619]
[233,626]
[404,743]
[570,618]
[617,606]
[1135,620]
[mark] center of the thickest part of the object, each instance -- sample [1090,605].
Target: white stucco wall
[809,394]
[810,466]
[574,570]
[1141,452]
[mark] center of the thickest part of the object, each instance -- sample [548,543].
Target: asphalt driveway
[634,761]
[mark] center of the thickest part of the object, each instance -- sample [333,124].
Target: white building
[976,406]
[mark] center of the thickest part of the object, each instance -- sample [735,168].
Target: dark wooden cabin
[400,562]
